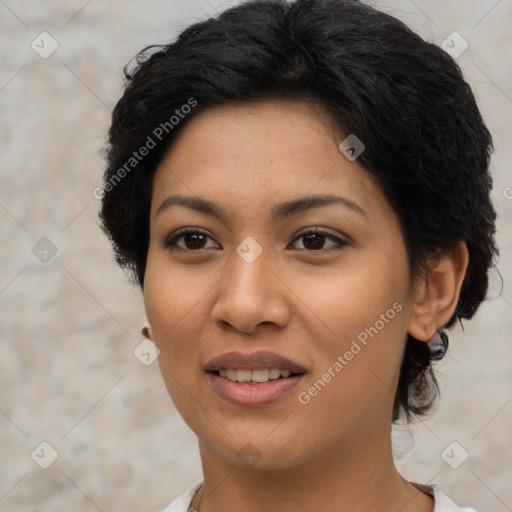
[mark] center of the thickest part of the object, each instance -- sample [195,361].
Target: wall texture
[70,322]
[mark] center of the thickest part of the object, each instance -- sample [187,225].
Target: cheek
[172,301]
[366,294]
[357,363]
[178,303]
[172,293]
[353,384]
[173,308]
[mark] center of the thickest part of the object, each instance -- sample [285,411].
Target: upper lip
[252,361]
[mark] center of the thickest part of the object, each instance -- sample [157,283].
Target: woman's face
[316,322]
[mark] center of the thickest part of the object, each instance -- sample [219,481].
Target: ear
[437,293]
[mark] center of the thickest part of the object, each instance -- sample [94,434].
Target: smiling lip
[252,394]
[253,361]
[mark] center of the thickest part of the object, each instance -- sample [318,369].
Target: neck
[359,477]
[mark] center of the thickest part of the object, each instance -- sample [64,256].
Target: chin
[260,453]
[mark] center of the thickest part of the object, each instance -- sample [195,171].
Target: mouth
[253,380]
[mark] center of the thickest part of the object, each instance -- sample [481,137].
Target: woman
[232,154]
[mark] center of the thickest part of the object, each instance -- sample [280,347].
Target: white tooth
[274,373]
[260,375]
[243,375]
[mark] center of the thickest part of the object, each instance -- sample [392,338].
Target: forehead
[261,152]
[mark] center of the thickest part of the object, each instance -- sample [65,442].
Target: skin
[296,300]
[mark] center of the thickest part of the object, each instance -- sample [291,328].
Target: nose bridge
[249,293]
[248,278]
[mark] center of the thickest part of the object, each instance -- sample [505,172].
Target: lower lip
[253,395]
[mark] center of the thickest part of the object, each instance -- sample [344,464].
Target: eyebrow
[278,211]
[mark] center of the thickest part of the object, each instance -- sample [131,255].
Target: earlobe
[437,294]
[146,332]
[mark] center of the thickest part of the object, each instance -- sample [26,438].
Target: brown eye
[314,240]
[188,239]
[194,240]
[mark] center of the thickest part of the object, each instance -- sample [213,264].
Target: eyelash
[171,242]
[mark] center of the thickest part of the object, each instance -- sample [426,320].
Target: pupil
[316,238]
[197,240]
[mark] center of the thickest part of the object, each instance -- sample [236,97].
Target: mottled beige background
[69,326]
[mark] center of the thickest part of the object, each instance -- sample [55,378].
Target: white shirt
[442,502]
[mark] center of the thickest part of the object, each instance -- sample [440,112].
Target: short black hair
[405,98]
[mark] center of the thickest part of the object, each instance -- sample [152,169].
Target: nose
[251,294]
